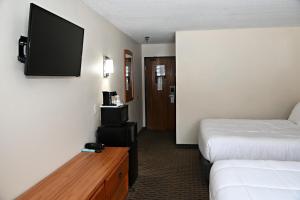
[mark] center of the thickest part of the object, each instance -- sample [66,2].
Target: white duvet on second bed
[225,139]
[255,180]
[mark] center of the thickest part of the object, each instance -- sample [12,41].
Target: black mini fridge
[122,135]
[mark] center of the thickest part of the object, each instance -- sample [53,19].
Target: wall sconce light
[108,66]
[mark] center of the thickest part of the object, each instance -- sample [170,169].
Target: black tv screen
[54,45]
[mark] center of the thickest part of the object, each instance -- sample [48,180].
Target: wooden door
[160,94]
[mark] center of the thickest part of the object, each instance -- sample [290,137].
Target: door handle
[172,94]
[172,98]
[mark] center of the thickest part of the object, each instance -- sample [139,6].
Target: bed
[255,180]
[225,139]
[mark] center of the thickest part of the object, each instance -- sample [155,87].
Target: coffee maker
[107,98]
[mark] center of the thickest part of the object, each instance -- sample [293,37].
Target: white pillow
[295,114]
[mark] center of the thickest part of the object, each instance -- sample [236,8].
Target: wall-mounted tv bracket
[23,42]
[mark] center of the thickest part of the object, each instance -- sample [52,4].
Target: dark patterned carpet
[167,172]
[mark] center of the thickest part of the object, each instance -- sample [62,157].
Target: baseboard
[142,129]
[187,146]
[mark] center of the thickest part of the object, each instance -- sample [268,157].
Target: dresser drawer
[117,183]
[121,192]
[99,194]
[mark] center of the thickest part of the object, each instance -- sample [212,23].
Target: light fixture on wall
[108,66]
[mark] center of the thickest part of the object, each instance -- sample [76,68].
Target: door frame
[145,88]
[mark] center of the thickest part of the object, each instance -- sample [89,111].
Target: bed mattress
[225,139]
[255,180]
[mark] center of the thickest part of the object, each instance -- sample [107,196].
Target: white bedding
[225,139]
[255,180]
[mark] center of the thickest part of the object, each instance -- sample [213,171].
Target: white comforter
[255,180]
[225,139]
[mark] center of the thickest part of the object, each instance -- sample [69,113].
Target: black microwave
[114,115]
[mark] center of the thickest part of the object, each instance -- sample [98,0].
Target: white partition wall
[238,73]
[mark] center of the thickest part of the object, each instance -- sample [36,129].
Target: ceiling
[160,19]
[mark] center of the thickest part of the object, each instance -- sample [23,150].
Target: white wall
[241,73]
[154,50]
[44,121]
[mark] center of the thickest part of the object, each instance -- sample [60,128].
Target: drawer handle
[120,175]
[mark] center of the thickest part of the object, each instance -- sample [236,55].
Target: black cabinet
[117,133]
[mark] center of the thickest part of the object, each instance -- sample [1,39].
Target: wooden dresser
[87,176]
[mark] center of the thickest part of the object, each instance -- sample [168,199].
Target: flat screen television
[54,45]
